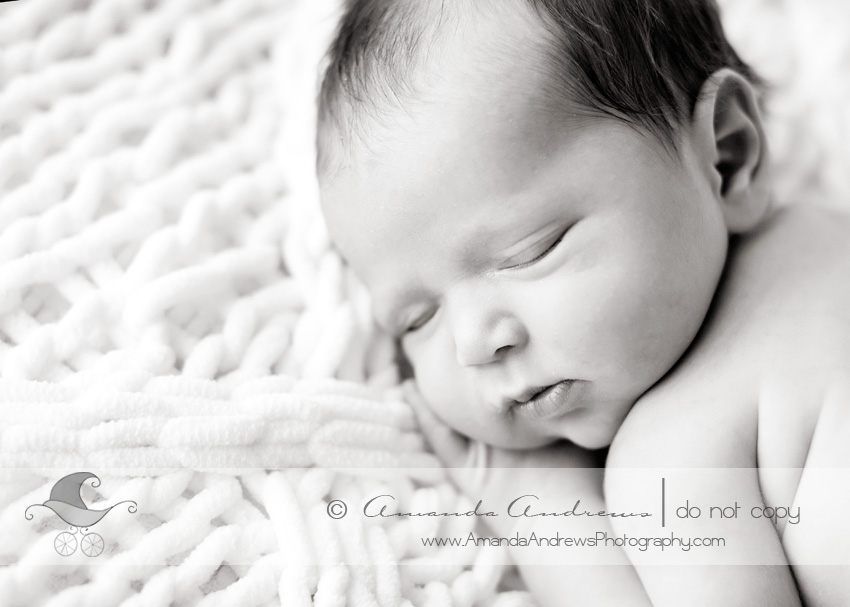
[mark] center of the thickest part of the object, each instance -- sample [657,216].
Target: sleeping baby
[562,210]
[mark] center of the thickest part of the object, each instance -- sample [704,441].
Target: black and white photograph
[420,303]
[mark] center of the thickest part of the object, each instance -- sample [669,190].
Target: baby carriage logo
[66,501]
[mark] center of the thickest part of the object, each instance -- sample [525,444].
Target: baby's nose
[487,337]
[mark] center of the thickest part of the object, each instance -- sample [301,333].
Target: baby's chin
[592,443]
[518,439]
[520,443]
[591,438]
[529,442]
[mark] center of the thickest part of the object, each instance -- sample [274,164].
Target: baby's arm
[608,585]
[702,460]
[819,548]
[561,471]
[606,578]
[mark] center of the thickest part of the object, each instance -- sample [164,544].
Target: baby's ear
[729,126]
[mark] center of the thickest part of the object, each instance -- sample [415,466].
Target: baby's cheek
[434,376]
[442,383]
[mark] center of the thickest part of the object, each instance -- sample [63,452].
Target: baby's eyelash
[423,319]
[551,248]
[419,322]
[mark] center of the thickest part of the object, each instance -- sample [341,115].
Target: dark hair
[642,61]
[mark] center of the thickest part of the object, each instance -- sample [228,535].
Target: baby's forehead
[458,122]
[468,151]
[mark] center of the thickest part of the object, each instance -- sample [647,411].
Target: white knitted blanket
[173,319]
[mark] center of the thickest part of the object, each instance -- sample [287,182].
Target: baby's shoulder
[785,300]
[758,381]
[810,243]
[778,332]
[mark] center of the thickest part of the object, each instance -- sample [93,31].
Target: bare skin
[764,388]
[770,398]
[512,248]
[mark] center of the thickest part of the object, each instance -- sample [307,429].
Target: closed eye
[420,321]
[552,246]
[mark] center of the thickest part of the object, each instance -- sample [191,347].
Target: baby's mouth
[546,402]
[532,393]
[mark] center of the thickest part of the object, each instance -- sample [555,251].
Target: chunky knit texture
[173,318]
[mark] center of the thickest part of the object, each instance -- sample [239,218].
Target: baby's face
[514,250]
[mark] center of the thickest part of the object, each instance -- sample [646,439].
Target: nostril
[487,337]
[503,350]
